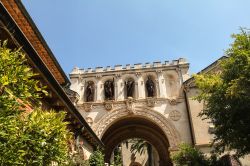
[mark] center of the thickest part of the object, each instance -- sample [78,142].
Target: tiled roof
[27,26]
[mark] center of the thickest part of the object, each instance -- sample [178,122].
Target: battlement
[157,64]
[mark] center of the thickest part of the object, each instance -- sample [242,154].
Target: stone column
[81,92]
[136,90]
[140,86]
[157,88]
[99,89]
[119,92]
[161,85]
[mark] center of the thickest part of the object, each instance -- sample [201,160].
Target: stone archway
[121,124]
[144,112]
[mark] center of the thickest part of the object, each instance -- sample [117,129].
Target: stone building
[153,102]
[155,109]
[108,105]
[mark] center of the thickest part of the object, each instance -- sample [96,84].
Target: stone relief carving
[172,101]
[87,107]
[175,115]
[130,105]
[151,102]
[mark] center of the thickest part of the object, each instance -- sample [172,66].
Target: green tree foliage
[138,145]
[227,97]
[97,158]
[117,156]
[189,156]
[35,138]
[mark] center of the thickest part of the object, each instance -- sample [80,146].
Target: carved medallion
[87,107]
[151,102]
[175,115]
[108,106]
[173,101]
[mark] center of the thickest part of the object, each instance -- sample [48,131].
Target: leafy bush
[189,156]
[97,158]
[227,98]
[27,136]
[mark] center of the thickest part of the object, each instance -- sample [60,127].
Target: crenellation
[157,64]
[127,66]
[174,62]
[137,66]
[81,71]
[108,68]
[147,65]
[89,70]
[166,63]
[182,61]
[75,70]
[118,67]
[99,69]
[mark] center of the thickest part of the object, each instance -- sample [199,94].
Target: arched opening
[150,86]
[129,90]
[109,91]
[135,152]
[136,127]
[90,91]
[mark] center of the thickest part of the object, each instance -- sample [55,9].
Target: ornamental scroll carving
[143,112]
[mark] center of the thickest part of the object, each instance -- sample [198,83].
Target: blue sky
[90,33]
